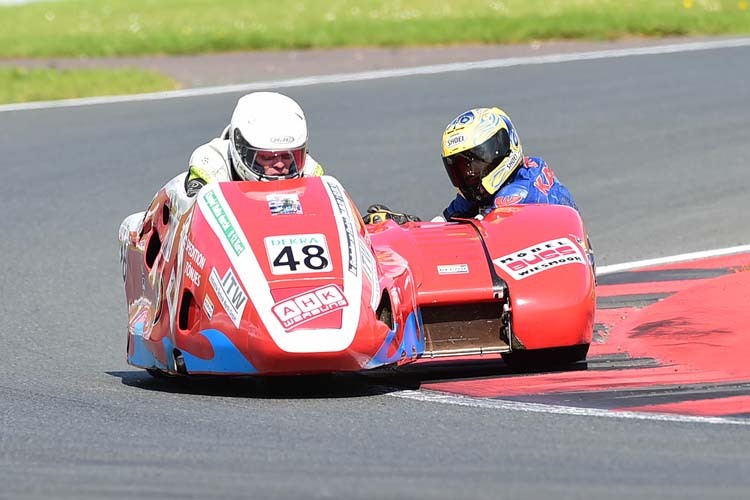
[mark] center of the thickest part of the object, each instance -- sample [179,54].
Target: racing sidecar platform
[254,278]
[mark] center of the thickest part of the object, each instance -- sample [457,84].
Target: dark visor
[467,168]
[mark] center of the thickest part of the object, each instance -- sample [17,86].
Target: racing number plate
[298,253]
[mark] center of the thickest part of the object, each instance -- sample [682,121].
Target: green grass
[20,84]
[128,27]
[93,28]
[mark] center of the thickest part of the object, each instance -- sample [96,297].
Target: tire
[546,358]
[159,374]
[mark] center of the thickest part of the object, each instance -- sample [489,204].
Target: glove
[379,213]
[192,186]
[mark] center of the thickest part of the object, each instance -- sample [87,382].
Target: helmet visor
[270,164]
[467,169]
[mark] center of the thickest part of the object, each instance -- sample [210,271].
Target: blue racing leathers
[532,182]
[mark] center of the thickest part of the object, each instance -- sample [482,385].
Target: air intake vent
[385,312]
[152,250]
[165,214]
[189,311]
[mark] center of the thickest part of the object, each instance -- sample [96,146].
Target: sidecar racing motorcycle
[280,278]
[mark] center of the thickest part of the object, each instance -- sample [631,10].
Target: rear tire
[552,357]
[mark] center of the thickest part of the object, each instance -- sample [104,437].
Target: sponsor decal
[370,271]
[124,259]
[514,137]
[282,139]
[511,131]
[338,196]
[501,172]
[465,118]
[541,257]
[230,293]
[217,210]
[545,180]
[298,253]
[172,290]
[182,243]
[138,322]
[158,295]
[208,307]
[301,308]
[461,121]
[169,234]
[506,201]
[171,295]
[456,139]
[195,255]
[192,274]
[284,204]
[529,163]
[453,269]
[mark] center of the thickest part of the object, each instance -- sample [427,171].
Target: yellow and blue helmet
[481,150]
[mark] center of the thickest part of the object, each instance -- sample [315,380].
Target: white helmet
[273,125]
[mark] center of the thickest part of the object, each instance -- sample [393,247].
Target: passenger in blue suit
[484,159]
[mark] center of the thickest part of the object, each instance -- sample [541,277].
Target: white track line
[390,73]
[672,260]
[499,404]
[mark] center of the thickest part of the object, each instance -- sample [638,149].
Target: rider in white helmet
[265,140]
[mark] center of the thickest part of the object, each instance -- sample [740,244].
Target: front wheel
[552,357]
[160,374]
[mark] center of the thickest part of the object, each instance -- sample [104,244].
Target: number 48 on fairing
[298,253]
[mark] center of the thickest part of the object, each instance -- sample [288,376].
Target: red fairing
[284,278]
[537,250]
[304,312]
[540,251]
[283,270]
[447,260]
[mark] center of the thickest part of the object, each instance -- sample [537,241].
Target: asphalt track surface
[655,149]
